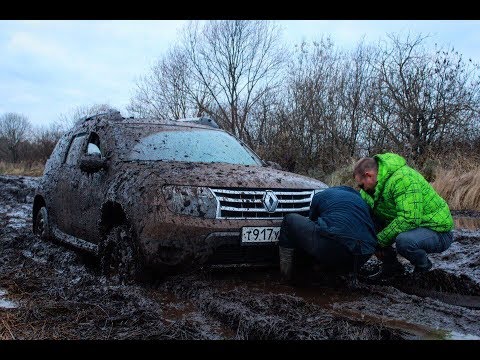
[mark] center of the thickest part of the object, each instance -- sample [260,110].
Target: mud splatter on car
[164,195]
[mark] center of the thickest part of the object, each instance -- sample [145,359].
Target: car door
[65,202]
[90,193]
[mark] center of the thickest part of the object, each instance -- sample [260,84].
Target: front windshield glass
[195,145]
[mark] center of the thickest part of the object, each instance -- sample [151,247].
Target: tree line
[317,106]
[314,106]
[20,141]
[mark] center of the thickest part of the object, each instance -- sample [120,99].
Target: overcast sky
[48,68]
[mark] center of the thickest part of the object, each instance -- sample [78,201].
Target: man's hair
[364,164]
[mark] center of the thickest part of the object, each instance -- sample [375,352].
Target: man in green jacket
[407,210]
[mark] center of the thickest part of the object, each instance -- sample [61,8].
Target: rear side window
[58,153]
[75,149]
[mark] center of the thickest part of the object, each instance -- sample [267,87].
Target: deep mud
[48,291]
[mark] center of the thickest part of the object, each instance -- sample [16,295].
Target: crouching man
[339,233]
[408,212]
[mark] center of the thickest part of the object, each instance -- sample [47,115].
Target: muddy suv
[148,194]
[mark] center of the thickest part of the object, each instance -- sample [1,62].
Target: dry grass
[341,176]
[458,182]
[22,168]
[460,190]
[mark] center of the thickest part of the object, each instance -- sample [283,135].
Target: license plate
[260,234]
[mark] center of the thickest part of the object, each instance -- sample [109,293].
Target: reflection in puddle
[467,223]
[459,336]
[6,304]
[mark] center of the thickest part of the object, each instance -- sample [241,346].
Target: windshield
[197,145]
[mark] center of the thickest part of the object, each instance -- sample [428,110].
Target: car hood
[218,175]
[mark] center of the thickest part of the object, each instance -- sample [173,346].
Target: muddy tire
[42,225]
[119,255]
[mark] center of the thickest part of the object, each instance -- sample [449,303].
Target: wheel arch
[112,214]
[38,203]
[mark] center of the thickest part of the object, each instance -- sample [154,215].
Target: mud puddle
[370,304]
[4,303]
[57,296]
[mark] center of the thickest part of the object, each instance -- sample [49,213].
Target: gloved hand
[386,254]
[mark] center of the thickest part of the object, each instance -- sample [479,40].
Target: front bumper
[205,241]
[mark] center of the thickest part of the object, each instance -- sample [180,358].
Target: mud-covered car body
[172,184]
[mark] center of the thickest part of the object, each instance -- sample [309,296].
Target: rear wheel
[42,226]
[119,255]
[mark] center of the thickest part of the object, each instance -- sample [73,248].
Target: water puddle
[416,331]
[6,304]
[30,255]
[454,335]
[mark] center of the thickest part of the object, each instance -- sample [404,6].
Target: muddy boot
[389,268]
[425,268]
[286,263]
[351,281]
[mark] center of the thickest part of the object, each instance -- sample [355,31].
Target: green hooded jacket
[404,200]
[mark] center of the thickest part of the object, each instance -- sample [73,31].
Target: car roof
[115,118]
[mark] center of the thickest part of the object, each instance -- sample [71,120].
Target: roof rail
[112,114]
[201,120]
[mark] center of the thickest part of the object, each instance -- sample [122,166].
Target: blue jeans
[415,244]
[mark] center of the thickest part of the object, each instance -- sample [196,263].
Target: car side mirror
[273,164]
[92,164]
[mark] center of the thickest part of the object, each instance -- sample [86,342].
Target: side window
[93,147]
[74,150]
[58,153]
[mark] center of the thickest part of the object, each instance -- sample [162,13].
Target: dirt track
[48,291]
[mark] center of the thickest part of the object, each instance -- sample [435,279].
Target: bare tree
[354,86]
[327,105]
[66,121]
[220,69]
[237,62]
[422,99]
[14,128]
[44,140]
[168,91]
[315,105]
[269,135]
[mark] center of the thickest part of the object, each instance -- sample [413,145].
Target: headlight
[317,191]
[191,200]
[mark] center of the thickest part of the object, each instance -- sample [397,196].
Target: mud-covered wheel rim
[119,254]
[42,227]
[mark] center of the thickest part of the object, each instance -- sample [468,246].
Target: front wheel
[119,255]
[42,226]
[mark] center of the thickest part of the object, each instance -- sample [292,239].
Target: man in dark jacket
[339,233]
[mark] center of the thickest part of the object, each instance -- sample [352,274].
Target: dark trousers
[302,234]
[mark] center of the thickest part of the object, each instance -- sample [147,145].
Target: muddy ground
[48,291]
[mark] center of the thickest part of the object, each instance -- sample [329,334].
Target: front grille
[248,204]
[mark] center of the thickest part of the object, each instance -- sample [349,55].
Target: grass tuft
[21,168]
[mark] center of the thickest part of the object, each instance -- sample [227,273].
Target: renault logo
[270,201]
